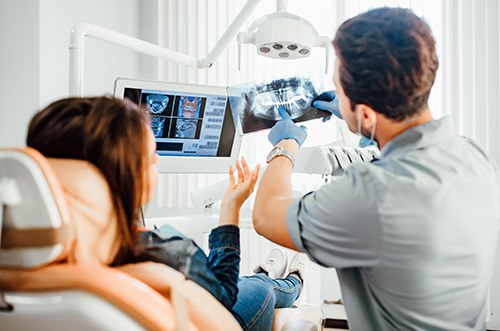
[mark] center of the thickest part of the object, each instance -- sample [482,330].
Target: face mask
[365,141]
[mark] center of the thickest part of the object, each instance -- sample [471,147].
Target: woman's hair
[387,60]
[110,134]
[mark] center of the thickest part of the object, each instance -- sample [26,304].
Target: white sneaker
[275,264]
[300,265]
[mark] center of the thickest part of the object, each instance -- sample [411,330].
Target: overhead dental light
[282,35]
[279,35]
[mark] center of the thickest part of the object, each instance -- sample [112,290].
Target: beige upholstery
[79,272]
[147,307]
[203,309]
[140,296]
[94,222]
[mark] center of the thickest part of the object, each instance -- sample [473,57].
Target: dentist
[412,235]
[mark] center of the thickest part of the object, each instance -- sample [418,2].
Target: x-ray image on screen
[158,124]
[189,107]
[185,128]
[193,124]
[158,104]
[255,106]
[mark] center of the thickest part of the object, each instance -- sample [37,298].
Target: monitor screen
[193,124]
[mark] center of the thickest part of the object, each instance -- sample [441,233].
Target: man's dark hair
[387,60]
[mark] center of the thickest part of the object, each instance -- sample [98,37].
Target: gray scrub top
[412,235]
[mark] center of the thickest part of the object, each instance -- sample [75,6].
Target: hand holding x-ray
[255,106]
[327,101]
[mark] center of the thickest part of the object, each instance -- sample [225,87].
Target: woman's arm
[237,192]
[224,241]
[218,273]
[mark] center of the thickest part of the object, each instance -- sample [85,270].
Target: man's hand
[327,101]
[286,129]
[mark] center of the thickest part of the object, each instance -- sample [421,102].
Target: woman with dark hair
[115,136]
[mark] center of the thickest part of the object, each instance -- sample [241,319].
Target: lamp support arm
[231,31]
[281,5]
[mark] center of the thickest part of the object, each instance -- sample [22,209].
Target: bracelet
[280,151]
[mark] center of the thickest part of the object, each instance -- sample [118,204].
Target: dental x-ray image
[157,125]
[158,104]
[189,107]
[185,128]
[255,106]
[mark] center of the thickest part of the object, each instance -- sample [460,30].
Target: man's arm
[275,189]
[274,194]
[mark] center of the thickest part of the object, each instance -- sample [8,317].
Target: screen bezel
[186,164]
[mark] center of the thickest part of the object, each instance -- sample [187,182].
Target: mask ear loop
[359,123]
[372,135]
[374,128]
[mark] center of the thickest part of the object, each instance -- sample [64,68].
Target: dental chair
[56,242]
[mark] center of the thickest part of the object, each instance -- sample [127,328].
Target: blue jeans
[258,295]
[250,299]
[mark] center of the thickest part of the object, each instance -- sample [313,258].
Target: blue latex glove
[286,129]
[327,101]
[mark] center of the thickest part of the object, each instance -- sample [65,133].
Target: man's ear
[368,115]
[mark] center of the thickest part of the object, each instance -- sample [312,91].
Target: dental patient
[114,136]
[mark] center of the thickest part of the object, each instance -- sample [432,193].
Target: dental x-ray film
[255,106]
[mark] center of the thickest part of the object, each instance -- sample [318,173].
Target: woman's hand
[237,192]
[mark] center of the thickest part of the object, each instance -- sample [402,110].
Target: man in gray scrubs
[412,235]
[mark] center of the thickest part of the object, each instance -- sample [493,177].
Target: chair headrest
[34,225]
[55,209]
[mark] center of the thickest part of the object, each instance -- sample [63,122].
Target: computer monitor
[193,124]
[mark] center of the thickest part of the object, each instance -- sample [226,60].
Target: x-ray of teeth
[185,128]
[293,95]
[189,107]
[157,103]
[157,124]
[255,106]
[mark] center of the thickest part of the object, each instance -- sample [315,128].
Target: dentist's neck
[388,129]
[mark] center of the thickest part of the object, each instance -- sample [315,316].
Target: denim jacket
[217,273]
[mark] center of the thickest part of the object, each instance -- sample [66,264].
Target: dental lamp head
[282,35]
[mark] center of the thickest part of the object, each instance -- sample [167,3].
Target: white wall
[34,39]
[19,64]
[103,61]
